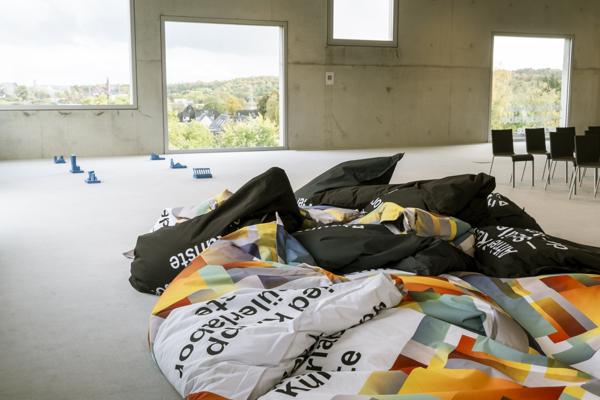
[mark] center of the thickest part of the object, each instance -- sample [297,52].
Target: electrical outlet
[329,78]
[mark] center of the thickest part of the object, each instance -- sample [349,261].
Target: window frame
[283,81]
[331,41]
[566,98]
[61,107]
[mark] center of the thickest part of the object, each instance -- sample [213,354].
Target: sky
[525,52]
[366,20]
[208,52]
[68,42]
[65,42]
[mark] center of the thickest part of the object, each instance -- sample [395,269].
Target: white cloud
[63,42]
[528,52]
[208,52]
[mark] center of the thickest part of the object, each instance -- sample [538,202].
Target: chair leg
[513,175]
[523,173]
[596,182]
[573,184]
[492,166]
[533,173]
[576,173]
[566,172]
[545,165]
[554,170]
[582,177]
[548,177]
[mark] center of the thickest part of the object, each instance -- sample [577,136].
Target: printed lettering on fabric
[184,258]
[164,219]
[215,335]
[302,202]
[255,336]
[496,202]
[310,359]
[376,203]
[500,245]
[321,227]
[303,383]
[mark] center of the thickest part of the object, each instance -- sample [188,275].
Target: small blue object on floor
[175,165]
[202,173]
[59,160]
[92,178]
[155,157]
[74,167]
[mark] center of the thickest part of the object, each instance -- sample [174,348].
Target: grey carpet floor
[72,327]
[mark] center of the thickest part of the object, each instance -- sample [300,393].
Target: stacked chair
[502,146]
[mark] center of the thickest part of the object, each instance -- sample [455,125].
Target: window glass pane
[223,85]
[65,52]
[528,86]
[363,19]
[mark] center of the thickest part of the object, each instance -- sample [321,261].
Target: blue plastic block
[202,173]
[59,160]
[92,178]
[74,167]
[175,165]
[155,157]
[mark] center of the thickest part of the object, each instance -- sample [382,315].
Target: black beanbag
[460,196]
[505,212]
[162,254]
[350,248]
[514,252]
[368,171]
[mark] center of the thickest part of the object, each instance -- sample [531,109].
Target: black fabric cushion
[505,212]
[162,254]
[514,252]
[350,248]
[368,171]
[460,196]
[354,197]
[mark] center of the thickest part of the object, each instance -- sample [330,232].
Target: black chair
[587,156]
[594,129]
[502,146]
[562,147]
[535,141]
[570,130]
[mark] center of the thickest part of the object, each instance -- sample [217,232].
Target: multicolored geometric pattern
[463,336]
[451,337]
[422,222]
[560,312]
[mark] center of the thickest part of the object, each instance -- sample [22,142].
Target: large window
[66,54]
[224,85]
[530,87]
[363,22]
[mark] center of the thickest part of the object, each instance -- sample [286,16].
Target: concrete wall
[433,89]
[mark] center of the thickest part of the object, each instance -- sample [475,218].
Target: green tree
[188,136]
[256,132]
[262,104]
[273,108]
[22,93]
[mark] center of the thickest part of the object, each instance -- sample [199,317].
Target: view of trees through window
[69,53]
[223,85]
[527,87]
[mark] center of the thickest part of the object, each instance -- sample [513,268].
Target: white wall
[433,89]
